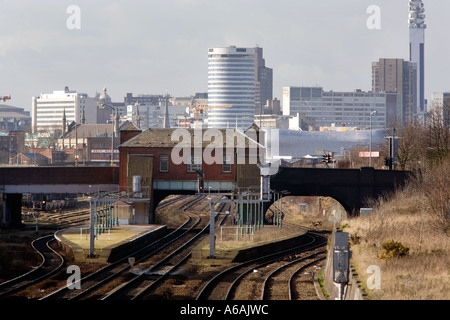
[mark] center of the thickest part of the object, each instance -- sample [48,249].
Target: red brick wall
[127,135]
[176,172]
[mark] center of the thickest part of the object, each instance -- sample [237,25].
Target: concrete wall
[336,213]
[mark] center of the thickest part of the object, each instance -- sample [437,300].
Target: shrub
[393,248]
[435,187]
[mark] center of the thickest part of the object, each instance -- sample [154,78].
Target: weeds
[410,231]
[321,280]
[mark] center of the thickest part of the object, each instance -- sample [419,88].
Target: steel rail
[51,263]
[121,264]
[286,265]
[262,260]
[136,281]
[300,269]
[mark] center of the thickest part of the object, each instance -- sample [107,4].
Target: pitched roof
[170,138]
[89,130]
[130,126]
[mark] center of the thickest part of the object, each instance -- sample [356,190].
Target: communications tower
[417,28]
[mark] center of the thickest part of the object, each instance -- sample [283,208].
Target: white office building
[440,101]
[346,109]
[152,115]
[49,109]
[232,83]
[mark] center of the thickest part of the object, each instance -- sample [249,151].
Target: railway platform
[110,245]
[247,246]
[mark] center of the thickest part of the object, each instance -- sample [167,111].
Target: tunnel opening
[308,211]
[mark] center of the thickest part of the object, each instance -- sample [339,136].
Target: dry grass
[424,273]
[266,234]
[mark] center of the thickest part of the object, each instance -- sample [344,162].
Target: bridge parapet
[353,188]
[57,179]
[14,181]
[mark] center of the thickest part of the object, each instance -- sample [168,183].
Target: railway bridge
[15,181]
[353,188]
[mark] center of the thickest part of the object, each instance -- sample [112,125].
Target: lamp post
[370,144]
[105,101]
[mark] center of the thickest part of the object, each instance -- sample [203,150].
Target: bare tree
[412,146]
[435,186]
[438,132]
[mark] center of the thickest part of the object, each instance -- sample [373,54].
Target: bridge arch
[353,188]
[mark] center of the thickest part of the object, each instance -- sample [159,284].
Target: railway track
[104,280]
[62,218]
[69,218]
[280,284]
[51,263]
[97,280]
[223,285]
[148,280]
[159,261]
[166,203]
[193,202]
[119,281]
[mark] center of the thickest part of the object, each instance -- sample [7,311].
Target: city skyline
[158,47]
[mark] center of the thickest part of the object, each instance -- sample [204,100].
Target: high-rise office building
[49,109]
[238,82]
[417,28]
[348,109]
[264,79]
[397,76]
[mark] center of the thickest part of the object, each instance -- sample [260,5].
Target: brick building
[178,161]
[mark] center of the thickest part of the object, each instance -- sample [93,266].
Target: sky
[161,46]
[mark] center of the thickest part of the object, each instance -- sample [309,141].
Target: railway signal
[341,261]
[200,181]
[388,161]
[200,184]
[326,158]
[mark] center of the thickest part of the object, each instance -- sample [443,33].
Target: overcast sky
[159,46]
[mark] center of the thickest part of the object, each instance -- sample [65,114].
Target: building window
[163,163]
[226,166]
[194,165]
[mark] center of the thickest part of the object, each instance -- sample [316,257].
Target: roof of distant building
[34,155]
[129,127]
[89,130]
[170,138]
[7,111]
